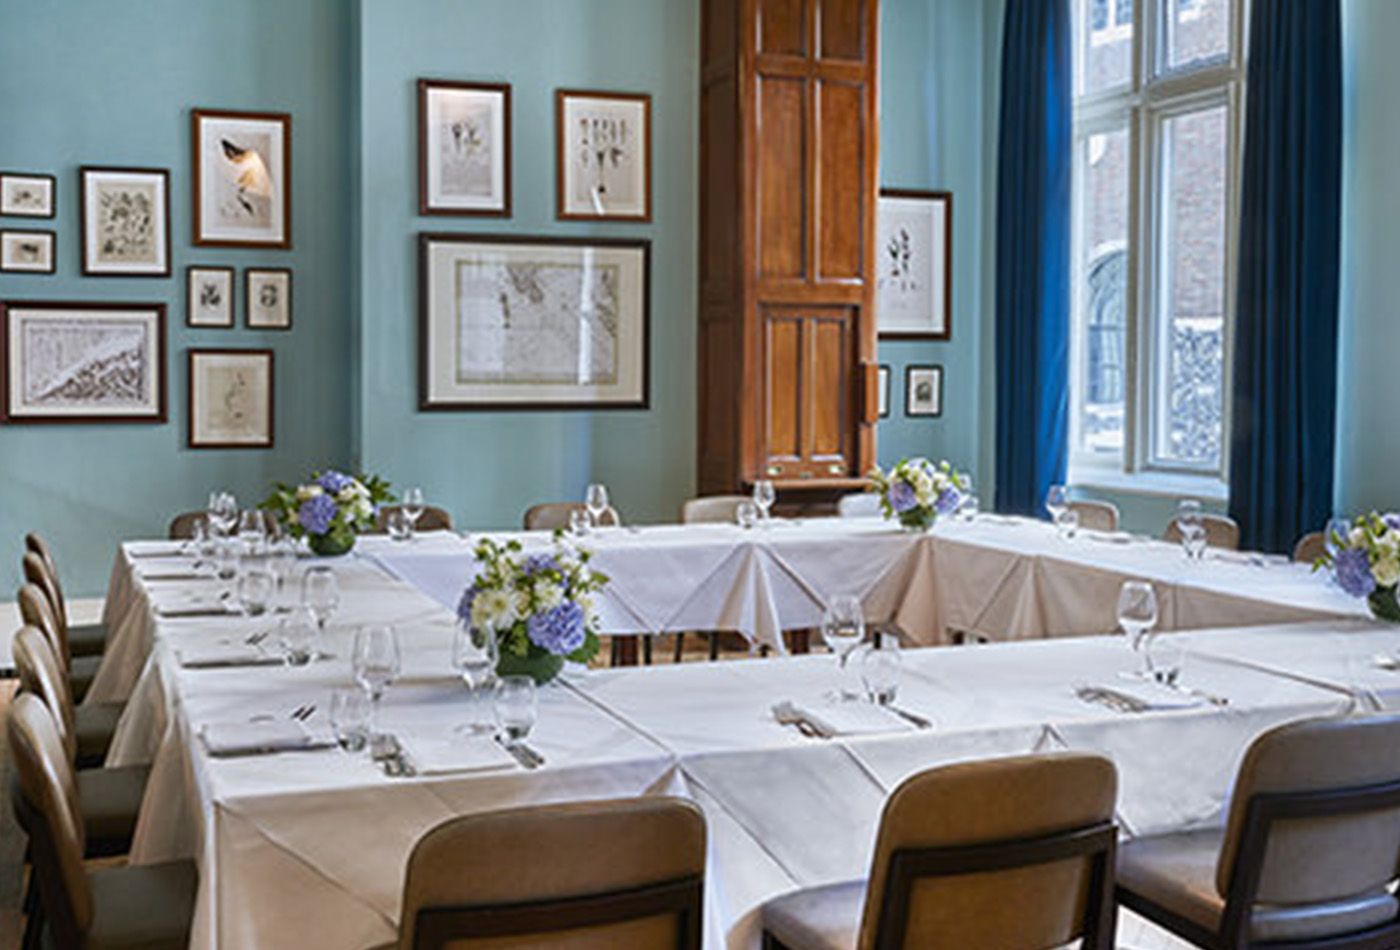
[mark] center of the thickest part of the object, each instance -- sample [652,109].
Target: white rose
[346,495]
[1386,570]
[496,609]
[548,594]
[308,492]
[363,509]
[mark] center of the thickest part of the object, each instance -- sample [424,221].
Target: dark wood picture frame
[561,96]
[947,198]
[53,195]
[190,271]
[248,275]
[884,375]
[191,357]
[425,401]
[7,416]
[197,237]
[425,205]
[85,219]
[53,252]
[909,409]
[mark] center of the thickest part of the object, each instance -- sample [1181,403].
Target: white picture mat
[34,319]
[10,259]
[212,411]
[443,104]
[628,187]
[93,180]
[10,185]
[213,175]
[916,302]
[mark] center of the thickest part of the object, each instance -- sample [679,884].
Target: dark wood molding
[190,270]
[560,159]
[425,206]
[196,165]
[83,172]
[909,372]
[191,355]
[248,273]
[947,334]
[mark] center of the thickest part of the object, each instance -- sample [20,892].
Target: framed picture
[27,252]
[82,362]
[884,379]
[242,179]
[267,298]
[27,196]
[514,322]
[914,261]
[230,399]
[126,222]
[463,148]
[209,296]
[603,165]
[923,390]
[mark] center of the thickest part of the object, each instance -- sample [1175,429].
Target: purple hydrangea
[560,630]
[1392,521]
[1354,572]
[316,514]
[902,497]
[948,501]
[334,482]
[538,563]
[464,606]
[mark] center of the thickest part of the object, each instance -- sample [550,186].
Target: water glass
[412,507]
[350,718]
[516,707]
[880,670]
[970,507]
[1137,616]
[1168,663]
[398,525]
[1189,526]
[1067,523]
[595,499]
[255,591]
[1056,501]
[764,496]
[298,633]
[320,593]
[579,519]
[226,558]
[282,564]
[474,656]
[746,514]
[1335,535]
[843,629]
[252,532]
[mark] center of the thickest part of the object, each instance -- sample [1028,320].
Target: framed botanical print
[82,362]
[209,296]
[923,390]
[27,252]
[126,222]
[514,322]
[267,298]
[603,165]
[27,195]
[914,264]
[242,179]
[883,372]
[463,148]
[230,399]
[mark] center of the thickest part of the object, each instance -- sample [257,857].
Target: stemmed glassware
[222,512]
[517,707]
[252,532]
[412,508]
[376,664]
[1137,616]
[595,499]
[320,594]
[843,629]
[1056,501]
[474,656]
[1193,531]
[764,495]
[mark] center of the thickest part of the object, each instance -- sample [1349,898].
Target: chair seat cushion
[94,724]
[87,639]
[81,674]
[110,800]
[148,907]
[817,918]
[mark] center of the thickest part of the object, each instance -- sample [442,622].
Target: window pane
[1102,271]
[1197,31]
[1190,333]
[1105,46]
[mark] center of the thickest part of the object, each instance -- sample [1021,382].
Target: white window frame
[1153,94]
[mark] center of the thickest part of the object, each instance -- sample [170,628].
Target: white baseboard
[88,610]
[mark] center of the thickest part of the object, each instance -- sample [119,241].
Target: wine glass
[516,707]
[320,594]
[255,590]
[764,495]
[1193,532]
[223,512]
[474,656]
[1137,616]
[412,508]
[578,521]
[1067,523]
[297,633]
[595,499]
[843,629]
[252,532]
[1056,501]
[375,661]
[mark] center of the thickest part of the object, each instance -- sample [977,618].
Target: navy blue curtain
[1032,241]
[1285,357]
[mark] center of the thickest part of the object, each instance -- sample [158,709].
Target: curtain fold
[1032,246]
[1284,388]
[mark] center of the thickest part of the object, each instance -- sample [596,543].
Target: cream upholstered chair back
[1006,802]
[433,518]
[1221,531]
[41,675]
[712,509]
[1096,515]
[863,504]
[479,882]
[553,515]
[1310,547]
[35,610]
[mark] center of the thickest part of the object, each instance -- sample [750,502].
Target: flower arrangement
[1367,562]
[330,510]
[539,606]
[917,492]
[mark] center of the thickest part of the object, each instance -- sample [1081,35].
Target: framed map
[914,264]
[511,322]
[230,399]
[82,362]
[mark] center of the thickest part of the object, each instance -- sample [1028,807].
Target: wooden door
[809,401]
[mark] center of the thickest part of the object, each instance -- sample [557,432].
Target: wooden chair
[182,526]
[554,515]
[86,639]
[1221,532]
[1307,859]
[1096,515]
[432,519]
[1012,852]
[862,504]
[149,907]
[623,873]
[35,610]
[1310,547]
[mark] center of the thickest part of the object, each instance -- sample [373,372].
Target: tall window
[1159,85]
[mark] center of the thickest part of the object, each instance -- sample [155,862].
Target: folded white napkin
[194,656]
[171,569]
[252,738]
[1109,537]
[443,756]
[196,607]
[845,719]
[1155,696]
[155,548]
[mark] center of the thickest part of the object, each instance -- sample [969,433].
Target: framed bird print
[603,165]
[463,148]
[126,222]
[242,179]
[914,264]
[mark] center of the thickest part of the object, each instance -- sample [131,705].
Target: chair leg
[646,649]
[680,647]
[714,645]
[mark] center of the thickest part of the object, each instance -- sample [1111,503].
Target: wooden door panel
[782,27]
[781,178]
[829,385]
[840,167]
[842,26]
[807,423]
[783,371]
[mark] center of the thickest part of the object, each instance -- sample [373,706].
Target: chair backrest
[1221,531]
[1096,515]
[35,543]
[622,873]
[711,509]
[41,674]
[552,515]
[48,811]
[1012,852]
[863,504]
[1310,547]
[37,572]
[433,518]
[1310,822]
[182,525]
[35,610]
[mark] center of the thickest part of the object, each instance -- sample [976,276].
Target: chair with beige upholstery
[433,518]
[150,907]
[863,504]
[1307,858]
[1096,515]
[1310,547]
[1000,853]
[1221,532]
[91,725]
[553,515]
[35,610]
[624,873]
[712,509]
[87,639]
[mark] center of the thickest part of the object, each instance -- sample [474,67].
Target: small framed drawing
[603,165]
[82,362]
[267,298]
[923,390]
[884,381]
[27,252]
[209,296]
[126,222]
[242,179]
[230,399]
[914,261]
[514,322]
[463,148]
[27,196]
